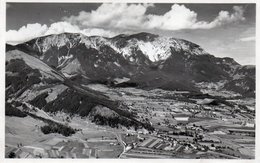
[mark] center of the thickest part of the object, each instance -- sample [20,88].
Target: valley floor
[185,127]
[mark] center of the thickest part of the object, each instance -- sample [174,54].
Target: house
[181,118]
[249,124]
[184,119]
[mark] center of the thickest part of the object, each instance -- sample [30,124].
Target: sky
[223,30]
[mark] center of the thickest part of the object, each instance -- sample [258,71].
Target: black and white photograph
[128,80]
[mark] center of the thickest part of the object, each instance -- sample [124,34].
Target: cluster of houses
[69,149]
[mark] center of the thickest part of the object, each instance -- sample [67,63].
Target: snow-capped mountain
[144,59]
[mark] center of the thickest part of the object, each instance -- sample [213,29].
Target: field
[182,129]
[91,142]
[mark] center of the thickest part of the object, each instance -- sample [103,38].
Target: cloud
[248,35]
[31,31]
[61,27]
[133,16]
[179,17]
[118,15]
[26,32]
[110,19]
[224,17]
[245,39]
[99,32]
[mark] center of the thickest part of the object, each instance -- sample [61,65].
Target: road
[119,138]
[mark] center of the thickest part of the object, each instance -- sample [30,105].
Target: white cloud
[179,17]
[248,35]
[224,17]
[245,39]
[31,31]
[124,18]
[133,16]
[99,32]
[26,33]
[61,27]
[118,15]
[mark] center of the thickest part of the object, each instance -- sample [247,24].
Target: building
[182,118]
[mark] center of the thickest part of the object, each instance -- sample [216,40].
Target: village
[196,127]
[183,128]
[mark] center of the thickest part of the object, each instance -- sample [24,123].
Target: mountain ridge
[148,60]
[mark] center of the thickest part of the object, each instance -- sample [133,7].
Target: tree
[11,155]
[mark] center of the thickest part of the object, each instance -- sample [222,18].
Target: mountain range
[141,60]
[53,73]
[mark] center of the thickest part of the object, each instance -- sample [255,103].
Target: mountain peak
[143,58]
[154,47]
